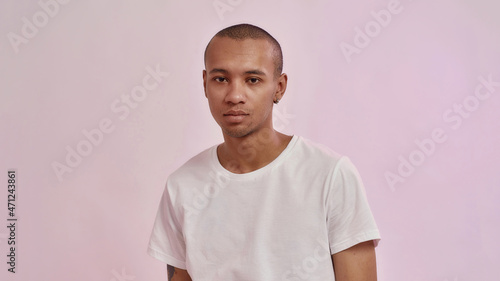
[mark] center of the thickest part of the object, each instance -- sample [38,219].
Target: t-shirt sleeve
[349,218]
[167,240]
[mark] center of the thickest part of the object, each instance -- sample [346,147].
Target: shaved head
[248,31]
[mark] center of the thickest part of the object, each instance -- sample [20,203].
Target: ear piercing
[277,101]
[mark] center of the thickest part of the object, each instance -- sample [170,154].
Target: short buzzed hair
[245,31]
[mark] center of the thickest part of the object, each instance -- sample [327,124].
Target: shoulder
[196,165]
[320,157]
[311,151]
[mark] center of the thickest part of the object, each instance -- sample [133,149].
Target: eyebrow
[255,71]
[218,70]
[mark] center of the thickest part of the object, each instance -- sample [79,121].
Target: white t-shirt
[280,222]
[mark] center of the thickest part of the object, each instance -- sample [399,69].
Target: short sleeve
[167,240]
[349,218]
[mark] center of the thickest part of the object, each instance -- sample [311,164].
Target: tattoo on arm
[170,272]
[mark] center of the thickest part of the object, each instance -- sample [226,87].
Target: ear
[281,86]
[205,82]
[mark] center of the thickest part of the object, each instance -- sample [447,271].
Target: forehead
[225,52]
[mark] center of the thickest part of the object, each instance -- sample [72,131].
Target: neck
[252,152]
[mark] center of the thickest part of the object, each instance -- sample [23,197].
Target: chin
[235,133]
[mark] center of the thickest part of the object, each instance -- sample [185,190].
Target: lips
[235,116]
[235,113]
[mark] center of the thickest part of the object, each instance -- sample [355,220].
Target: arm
[177,274]
[356,263]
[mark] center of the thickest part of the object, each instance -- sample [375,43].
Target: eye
[220,79]
[253,80]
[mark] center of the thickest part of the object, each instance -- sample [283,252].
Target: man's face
[240,84]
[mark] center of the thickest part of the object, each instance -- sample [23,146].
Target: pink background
[93,223]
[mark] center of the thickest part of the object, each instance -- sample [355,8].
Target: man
[262,205]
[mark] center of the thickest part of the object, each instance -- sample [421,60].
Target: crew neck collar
[216,165]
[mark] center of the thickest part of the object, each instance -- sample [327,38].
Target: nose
[235,93]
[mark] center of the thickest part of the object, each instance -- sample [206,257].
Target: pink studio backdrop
[101,100]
